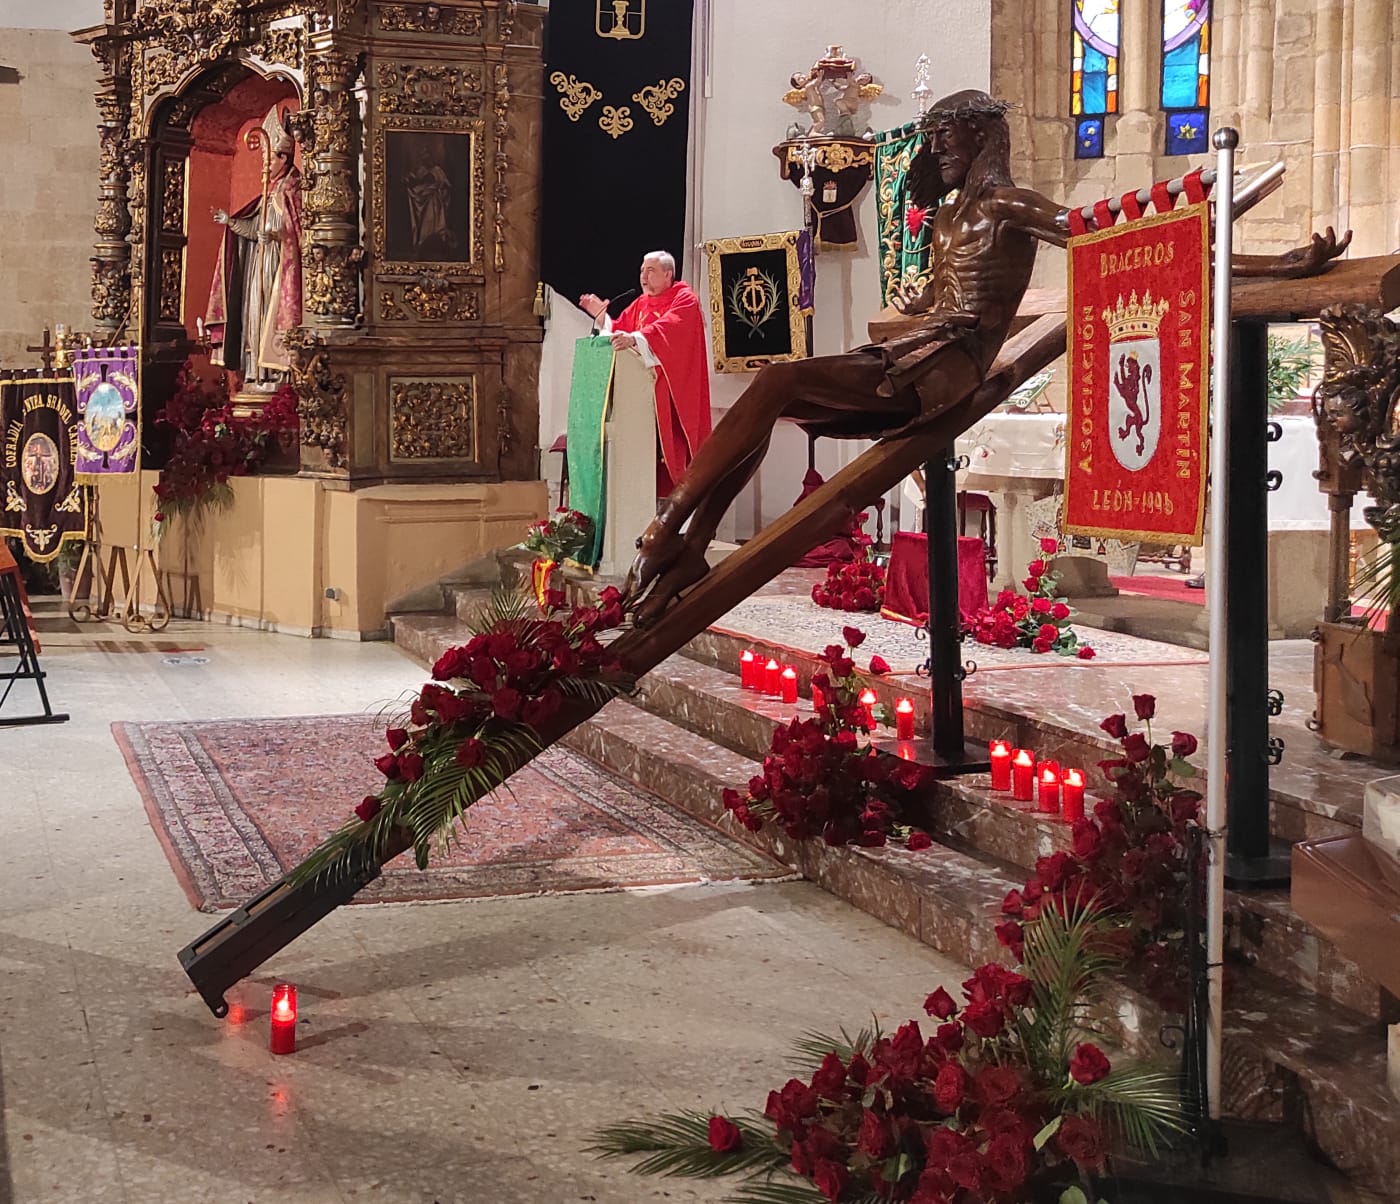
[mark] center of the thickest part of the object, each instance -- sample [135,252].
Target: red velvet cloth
[906,579]
[839,549]
[674,326]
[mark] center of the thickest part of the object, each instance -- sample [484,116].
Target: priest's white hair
[664,258]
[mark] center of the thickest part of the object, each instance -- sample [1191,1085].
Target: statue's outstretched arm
[1028,210]
[1308,260]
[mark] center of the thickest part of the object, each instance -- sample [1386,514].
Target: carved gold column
[111,263]
[330,132]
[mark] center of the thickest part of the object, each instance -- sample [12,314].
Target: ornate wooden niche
[417,130]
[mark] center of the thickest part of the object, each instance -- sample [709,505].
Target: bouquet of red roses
[856,586]
[565,534]
[1040,621]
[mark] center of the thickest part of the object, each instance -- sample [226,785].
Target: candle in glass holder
[773,678]
[1049,778]
[904,719]
[789,680]
[1000,754]
[818,698]
[747,661]
[283,1039]
[1073,789]
[1023,775]
[868,700]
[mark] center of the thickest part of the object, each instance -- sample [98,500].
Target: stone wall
[48,188]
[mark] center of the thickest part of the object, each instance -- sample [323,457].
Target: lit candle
[773,678]
[904,719]
[747,660]
[284,1019]
[818,698]
[789,684]
[1050,788]
[1073,795]
[1023,775]
[868,700]
[1000,752]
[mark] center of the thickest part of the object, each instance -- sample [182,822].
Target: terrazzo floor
[453,1052]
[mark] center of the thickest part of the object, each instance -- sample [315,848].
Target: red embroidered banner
[1139,355]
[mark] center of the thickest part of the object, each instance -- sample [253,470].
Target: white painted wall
[753,49]
[47,14]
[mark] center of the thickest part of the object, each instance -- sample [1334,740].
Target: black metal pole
[1250,857]
[944,617]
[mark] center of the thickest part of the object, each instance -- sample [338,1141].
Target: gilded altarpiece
[416,129]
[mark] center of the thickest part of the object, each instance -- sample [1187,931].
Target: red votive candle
[904,719]
[868,700]
[818,698]
[283,1039]
[789,680]
[1049,778]
[1022,775]
[1073,788]
[747,661]
[1000,753]
[773,678]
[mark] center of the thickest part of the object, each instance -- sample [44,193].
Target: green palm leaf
[1140,1105]
[677,1145]
[809,1049]
[777,1191]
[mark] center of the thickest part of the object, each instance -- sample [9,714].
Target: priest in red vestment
[667,328]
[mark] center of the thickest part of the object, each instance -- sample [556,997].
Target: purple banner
[104,379]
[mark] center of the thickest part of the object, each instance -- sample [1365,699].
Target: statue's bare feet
[686,570]
[657,550]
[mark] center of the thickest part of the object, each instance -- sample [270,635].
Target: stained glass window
[1094,46]
[1186,75]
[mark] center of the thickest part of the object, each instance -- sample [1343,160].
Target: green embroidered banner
[588,414]
[903,256]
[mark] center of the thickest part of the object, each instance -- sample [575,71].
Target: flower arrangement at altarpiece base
[818,779]
[1129,857]
[475,723]
[565,535]
[211,446]
[1040,621]
[856,585]
[1007,1101]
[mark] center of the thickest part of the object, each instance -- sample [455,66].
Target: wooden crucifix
[48,351]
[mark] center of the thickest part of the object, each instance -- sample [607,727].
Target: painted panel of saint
[428,180]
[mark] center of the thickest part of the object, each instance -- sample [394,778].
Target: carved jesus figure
[983,246]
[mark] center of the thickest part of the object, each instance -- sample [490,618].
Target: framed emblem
[622,20]
[757,315]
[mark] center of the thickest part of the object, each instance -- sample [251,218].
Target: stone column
[1258,71]
[1327,106]
[1225,65]
[1370,126]
[330,133]
[111,263]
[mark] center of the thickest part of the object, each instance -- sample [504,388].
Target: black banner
[759,298]
[41,502]
[616,134]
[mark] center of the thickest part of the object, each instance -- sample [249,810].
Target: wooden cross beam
[48,351]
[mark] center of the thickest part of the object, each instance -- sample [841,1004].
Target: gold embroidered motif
[622,19]
[655,98]
[616,122]
[575,95]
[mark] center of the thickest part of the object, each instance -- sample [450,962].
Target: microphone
[627,296]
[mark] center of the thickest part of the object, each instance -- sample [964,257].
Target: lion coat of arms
[1135,381]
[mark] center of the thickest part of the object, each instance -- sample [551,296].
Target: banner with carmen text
[109,435]
[616,136]
[41,502]
[1139,357]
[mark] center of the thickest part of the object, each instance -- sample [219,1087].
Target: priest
[667,329]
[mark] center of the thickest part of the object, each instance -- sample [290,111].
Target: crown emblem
[1137,319]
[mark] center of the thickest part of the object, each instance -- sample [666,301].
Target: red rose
[470,753]
[1059,611]
[1041,606]
[724,1135]
[996,1085]
[1048,631]
[482,672]
[874,1138]
[1010,934]
[940,1004]
[984,1019]
[1116,726]
[1036,568]
[949,1038]
[1087,840]
[1186,807]
[1088,1064]
[918,841]
[949,1087]
[554,599]
[506,702]
[830,1178]
[853,636]
[1049,546]
[397,738]
[450,664]
[1086,653]
[1032,585]
[1080,1138]
[830,1077]
[879,665]
[388,765]
[369,807]
[966,1170]
[410,766]
[1006,1162]
[1183,744]
[1145,705]
[1042,644]
[1136,748]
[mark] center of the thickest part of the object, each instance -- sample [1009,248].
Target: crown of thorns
[985,107]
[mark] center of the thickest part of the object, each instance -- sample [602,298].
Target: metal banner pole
[1218,568]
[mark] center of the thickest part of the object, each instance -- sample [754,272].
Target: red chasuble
[675,330]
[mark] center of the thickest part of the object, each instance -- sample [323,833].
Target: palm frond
[785,1191]
[811,1047]
[1141,1106]
[677,1144]
[1377,582]
[508,604]
[596,691]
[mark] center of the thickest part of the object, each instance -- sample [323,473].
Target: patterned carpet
[799,623]
[237,803]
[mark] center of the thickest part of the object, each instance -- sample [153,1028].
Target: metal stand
[1253,857]
[14,629]
[945,667]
